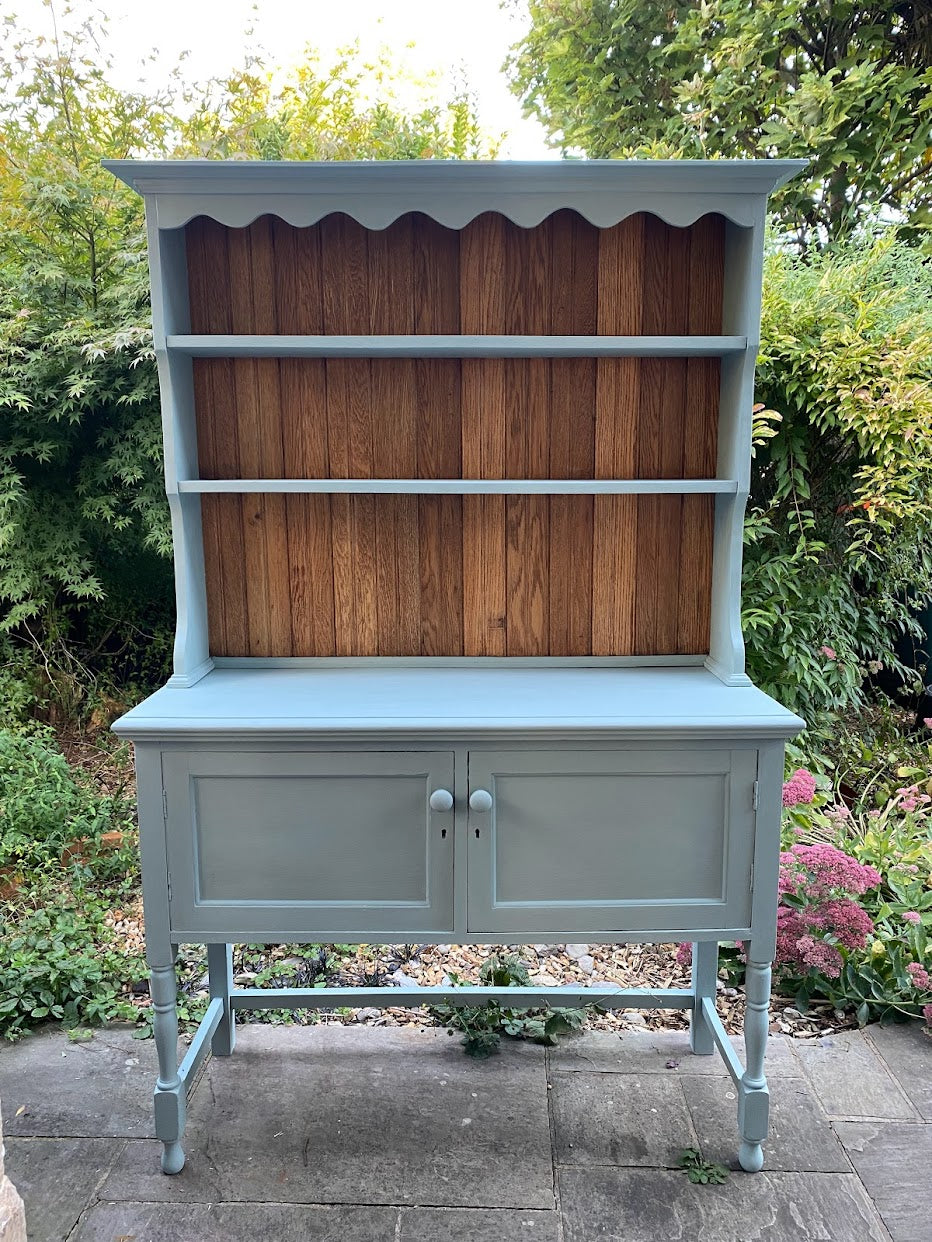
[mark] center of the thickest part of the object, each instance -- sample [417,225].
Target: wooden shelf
[269,346]
[467,487]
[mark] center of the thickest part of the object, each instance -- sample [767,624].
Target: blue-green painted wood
[753,1096]
[465,702]
[331,998]
[318,842]
[516,346]
[721,1040]
[220,975]
[616,841]
[201,1043]
[704,978]
[463,487]
[453,192]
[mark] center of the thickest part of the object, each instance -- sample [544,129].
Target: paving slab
[647,1205]
[800,1140]
[894,1160]
[907,1052]
[478,1225]
[234,1222]
[51,1076]
[619,1119]
[647,1052]
[57,1178]
[851,1079]
[350,1115]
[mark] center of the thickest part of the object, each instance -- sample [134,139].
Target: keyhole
[477,834]
[443,834]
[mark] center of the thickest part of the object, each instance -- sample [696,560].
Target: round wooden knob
[480,800]
[441,800]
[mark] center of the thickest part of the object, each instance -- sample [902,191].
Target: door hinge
[755,795]
[751,885]
[168,885]
[164,805]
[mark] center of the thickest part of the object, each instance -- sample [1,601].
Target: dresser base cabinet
[393,841]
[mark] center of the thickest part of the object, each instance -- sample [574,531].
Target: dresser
[457,457]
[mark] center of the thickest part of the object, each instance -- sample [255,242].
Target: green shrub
[838,552]
[60,963]
[44,807]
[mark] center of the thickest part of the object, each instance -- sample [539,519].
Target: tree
[847,86]
[82,513]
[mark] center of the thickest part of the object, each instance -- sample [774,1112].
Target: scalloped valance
[375,193]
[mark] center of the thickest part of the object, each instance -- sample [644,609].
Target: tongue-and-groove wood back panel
[474,575]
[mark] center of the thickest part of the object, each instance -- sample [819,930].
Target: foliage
[862,760]
[349,109]
[818,916]
[872,956]
[83,517]
[838,540]
[699,1171]
[846,86]
[60,961]
[483,1025]
[44,806]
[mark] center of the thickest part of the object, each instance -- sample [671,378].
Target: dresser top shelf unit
[449,409]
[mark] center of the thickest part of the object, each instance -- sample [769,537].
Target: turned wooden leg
[170,1098]
[704,976]
[220,966]
[753,1096]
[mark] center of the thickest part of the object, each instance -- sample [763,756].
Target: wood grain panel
[299,309]
[397,575]
[211,310]
[665,308]
[394,413]
[482,307]
[528,274]
[572,434]
[439,432]
[614,543]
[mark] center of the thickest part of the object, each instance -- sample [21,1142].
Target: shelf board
[468,487]
[457,346]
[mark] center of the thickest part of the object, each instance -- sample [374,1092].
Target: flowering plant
[818,916]
[855,918]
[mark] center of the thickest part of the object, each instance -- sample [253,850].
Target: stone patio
[363,1134]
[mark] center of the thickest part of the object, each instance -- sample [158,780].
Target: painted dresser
[457,457]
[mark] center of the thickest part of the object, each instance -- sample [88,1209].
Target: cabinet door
[613,842]
[317,845]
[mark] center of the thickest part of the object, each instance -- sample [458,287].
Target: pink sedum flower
[827,869]
[927,721]
[684,953]
[919,974]
[927,1014]
[820,955]
[799,788]
[829,653]
[813,936]
[912,916]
